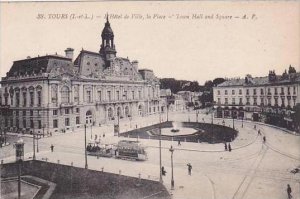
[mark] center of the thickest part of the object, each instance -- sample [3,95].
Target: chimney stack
[69,53]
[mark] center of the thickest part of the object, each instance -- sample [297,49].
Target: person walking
[229,147]
[179,144]
[289,191]
[52,147]
[264,139]
[189,168]
[163,171]
[259,133]
[225,146]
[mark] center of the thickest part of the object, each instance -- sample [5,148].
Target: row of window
[255,101]
[18,102]
[255,91]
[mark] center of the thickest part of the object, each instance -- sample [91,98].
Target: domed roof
[107,31]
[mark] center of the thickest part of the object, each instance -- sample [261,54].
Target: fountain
[175,128]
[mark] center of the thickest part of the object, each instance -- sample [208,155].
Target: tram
[130,150]
[96,149]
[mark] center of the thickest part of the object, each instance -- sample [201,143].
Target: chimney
[69,53]
[135,64]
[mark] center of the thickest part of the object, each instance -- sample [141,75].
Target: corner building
[53,93]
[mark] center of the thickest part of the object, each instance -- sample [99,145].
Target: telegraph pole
[160,166]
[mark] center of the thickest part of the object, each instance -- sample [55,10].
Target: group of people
[227,147]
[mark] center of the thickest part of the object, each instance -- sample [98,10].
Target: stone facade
[54,93]
[248,98]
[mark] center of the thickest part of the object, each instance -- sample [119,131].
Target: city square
[211,108]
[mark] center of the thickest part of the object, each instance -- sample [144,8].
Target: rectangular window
[219,100]
[233,92]
[254,91]
[261,91]
[67,111]
[118,95]
[247,92]
[39,96]
[282,91]
[289,91]
[89,96]
[240,92]
[255,101]
[78,120]
[248,101]
[77,110]
[31,124]
[54,112]
[241,101]
[125,95]
[17,113]
[133,95]
[109,96]
[17,123]
[31,98]
[55,124]
[24,99]
[31,113]
[99,95]
[39,124]
[226,93]
[276,101]
[276,93]
[226,100]
[67,122]
[294,90]
[17,99]
[262,101]
[24,113]
[219,93]
[233,101]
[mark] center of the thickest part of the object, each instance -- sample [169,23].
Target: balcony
[66,104]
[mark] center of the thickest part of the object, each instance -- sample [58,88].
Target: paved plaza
[252,169]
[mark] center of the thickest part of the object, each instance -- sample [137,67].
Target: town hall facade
[55,93]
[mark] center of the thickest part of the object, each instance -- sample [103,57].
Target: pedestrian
[179,144]
[103,135]
[259,133]
[264,139]
[52,147]
[189,168]
[163,171]
[225,146]
[254,126]
[289,191]
[96,137]
[229,147]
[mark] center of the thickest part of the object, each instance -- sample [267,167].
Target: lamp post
[197,113]
[118,123]
[33,144]
[19,145]
[242,121]
[85,152]
[160,166]
[172,179]
[167,112]
[233,119]
[37,142]
[91,131]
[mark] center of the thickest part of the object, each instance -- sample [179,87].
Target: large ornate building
[54,93]
[250,98]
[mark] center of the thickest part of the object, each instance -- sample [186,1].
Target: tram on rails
[125,149]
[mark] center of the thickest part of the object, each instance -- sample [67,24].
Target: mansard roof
[43,64]
[262,81]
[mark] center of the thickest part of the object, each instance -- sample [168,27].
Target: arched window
[54,93]
[65,94]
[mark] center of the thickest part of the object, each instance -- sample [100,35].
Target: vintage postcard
[150,99]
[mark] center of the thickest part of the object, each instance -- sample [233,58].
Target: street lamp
[197,113]
[19,145]
[85,152]
[160,167]
[233,115]
[91,131]
[33,139]
[242,121]
[172,179]
[37,142]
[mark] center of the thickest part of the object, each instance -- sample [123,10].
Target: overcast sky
[192,49]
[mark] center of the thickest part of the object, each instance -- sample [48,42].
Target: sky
[218,39]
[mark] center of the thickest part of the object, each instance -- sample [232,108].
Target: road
[253,169]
